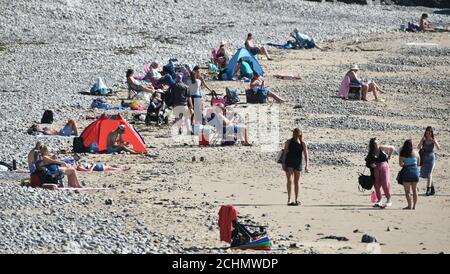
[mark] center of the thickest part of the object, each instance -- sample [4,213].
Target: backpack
[99,88]
[78,146]
[168,97]
[232,96]
[413,27]
[47,117]
[262,94]
[99,103]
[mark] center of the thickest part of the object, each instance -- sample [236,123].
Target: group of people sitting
[49,169]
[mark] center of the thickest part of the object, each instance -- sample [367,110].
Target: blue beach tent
[247,56]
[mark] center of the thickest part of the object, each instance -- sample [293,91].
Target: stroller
[159,115]
[241,236]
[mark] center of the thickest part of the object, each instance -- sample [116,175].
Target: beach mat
[84,189]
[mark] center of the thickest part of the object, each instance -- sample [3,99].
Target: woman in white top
[196,94]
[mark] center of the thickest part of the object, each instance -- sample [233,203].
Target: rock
[108,202]
[368,239]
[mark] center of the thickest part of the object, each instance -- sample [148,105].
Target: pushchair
[159,115]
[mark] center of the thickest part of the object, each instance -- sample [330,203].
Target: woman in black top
[292,162]
[377,160]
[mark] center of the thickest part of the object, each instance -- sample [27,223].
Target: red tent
[99,129]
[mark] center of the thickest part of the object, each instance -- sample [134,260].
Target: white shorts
[184,110]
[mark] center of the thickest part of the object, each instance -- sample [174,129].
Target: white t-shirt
[155,74]
[195,89]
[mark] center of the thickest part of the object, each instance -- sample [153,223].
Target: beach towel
[279,46]
[288,77]
[227,214]
[345,87]
[84,189]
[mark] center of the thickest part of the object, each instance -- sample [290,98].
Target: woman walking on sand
[377,160]
[408,160]
[292,162]
[427,144]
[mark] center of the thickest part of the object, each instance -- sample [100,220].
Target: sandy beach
[169,203]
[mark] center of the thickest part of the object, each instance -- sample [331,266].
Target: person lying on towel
[69,129]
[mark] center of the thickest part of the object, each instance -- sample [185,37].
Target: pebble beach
[52,51]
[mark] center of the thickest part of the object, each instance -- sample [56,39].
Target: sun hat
[354,67]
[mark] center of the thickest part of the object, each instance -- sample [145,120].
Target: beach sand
[170,193]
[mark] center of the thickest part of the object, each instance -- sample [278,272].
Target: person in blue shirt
[304,41]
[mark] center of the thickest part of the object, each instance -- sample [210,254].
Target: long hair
[297,134]
[407,149]
[44,150]
[38,145]
[432,134]
[372,145]
[192,76]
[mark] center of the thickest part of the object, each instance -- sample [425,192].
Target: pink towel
[345,87]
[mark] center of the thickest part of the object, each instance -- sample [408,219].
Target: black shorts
[296,164]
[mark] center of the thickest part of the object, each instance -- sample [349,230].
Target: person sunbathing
[229,128]
[115,141]
[352,78]
[253,49]
[258,83]
[69,129]
[99,167]
[135,85]
[51,162]
[427,26]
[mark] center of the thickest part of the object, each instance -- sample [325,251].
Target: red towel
[227,214]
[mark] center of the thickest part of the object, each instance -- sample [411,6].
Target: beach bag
[35,180]
[262,94]
[216,100]
[99,103]
[279,158]
[78,146]
[232,96]
[421,153]
[400,176]
[99,88]
[47,117]
[168,98]
[365,182]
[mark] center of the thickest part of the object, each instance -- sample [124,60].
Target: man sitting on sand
[427,26]
[250,46]
[69,129]
[115,141]
[304,41]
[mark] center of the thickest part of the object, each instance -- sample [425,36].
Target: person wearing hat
[304,41]
[351,78]
[115,141]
